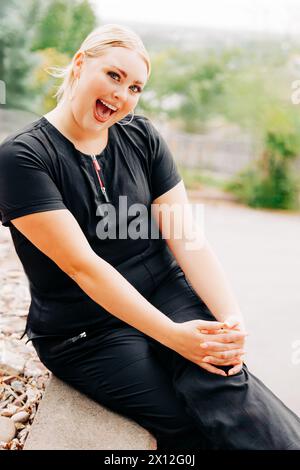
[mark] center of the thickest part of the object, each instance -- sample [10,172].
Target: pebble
[21,400]
[21,417]
[34,368]
[9,411]
[23,377]
[12,324]
[19,426]
[7,429]
[17,386]
[10,363]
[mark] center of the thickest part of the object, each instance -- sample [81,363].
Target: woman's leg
[235,412]
[120,371]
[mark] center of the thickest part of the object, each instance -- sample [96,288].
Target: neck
[63,118]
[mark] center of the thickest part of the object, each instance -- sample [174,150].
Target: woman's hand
[237,323]
[232,323]
[193,340]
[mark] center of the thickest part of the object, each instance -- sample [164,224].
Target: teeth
[109,105]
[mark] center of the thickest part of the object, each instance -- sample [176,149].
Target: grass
[195,178]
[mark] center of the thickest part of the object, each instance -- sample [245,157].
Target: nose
[120,95]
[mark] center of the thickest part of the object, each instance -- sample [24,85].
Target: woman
[145,325]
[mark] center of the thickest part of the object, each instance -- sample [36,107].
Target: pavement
[260,253]
[68,420]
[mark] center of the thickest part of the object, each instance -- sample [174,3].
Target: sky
[281,16]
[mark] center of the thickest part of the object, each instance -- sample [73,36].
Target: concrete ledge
[68,420]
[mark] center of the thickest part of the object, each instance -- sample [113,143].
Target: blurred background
[221,86]
[224,92]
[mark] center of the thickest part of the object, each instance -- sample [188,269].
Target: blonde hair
[94,45]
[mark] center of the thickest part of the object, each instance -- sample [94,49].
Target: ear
[77,63]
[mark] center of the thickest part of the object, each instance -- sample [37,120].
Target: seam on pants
[151,275]
[131,363]
[293,446]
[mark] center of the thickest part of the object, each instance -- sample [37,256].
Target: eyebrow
[122,72]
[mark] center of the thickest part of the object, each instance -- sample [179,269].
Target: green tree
[42,83]
[83,22]
[16,60]
[185,87]
[63,26]
[257,98]
[270,180]
[28,27]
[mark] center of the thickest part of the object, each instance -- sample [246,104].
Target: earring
[126,123]
[72,88]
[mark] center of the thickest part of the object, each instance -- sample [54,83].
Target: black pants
[181,404]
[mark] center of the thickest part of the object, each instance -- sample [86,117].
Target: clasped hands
[224,347]
[210,344]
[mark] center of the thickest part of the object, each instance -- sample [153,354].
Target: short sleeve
[164,171]
[26,186]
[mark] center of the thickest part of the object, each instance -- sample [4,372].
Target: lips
[101,112]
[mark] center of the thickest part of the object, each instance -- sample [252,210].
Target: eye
[113,73]
[138,88]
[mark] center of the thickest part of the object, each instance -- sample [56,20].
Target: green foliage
[16,60]
[42,83]
[185,87]
[278,191]
[195,178]
[248,85]
[29,27]
[270,181]
[63,26]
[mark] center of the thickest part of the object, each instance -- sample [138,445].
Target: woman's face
[100,78]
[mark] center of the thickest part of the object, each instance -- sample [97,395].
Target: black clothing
[183,405]
[41,170]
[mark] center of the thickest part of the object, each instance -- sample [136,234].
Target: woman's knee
[144,391]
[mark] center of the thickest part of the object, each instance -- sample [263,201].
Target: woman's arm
[58,235]
[194,254]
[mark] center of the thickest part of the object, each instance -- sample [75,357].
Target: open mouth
[102,112]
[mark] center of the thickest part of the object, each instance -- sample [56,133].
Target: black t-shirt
[41,170]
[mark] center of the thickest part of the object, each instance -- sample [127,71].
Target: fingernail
[203,345]
[206,359]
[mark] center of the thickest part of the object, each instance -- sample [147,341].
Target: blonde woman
[146,325]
